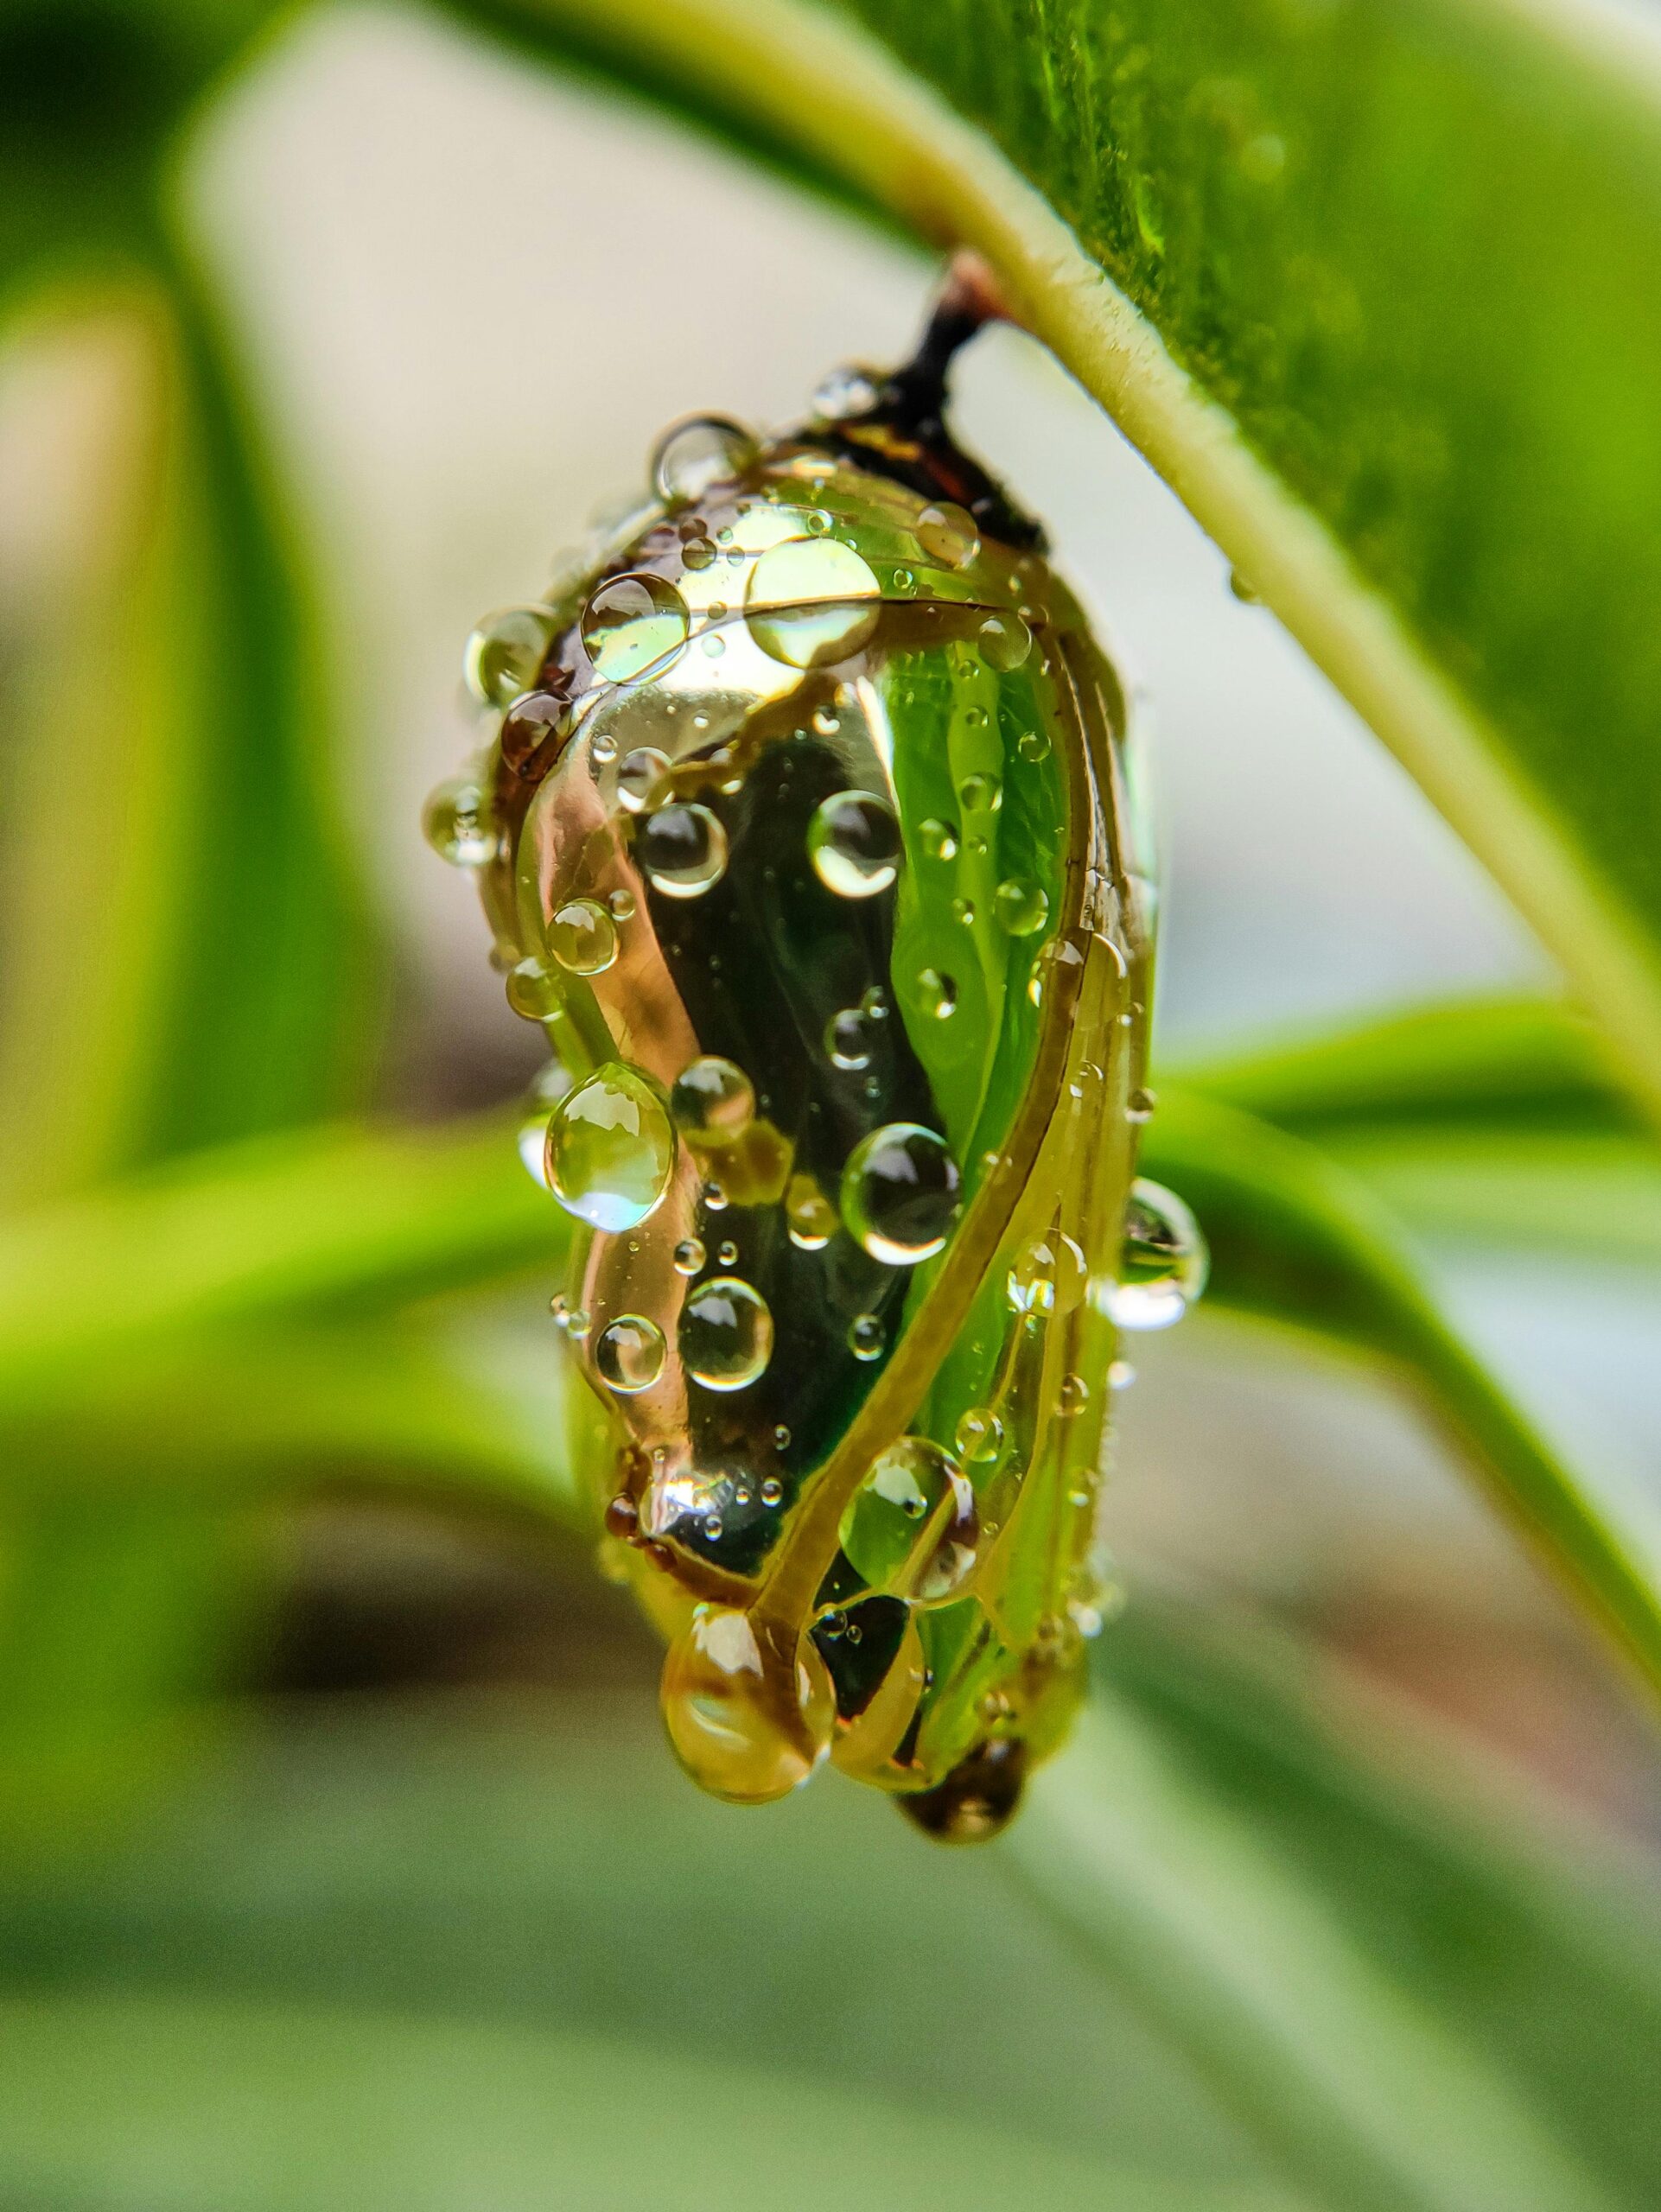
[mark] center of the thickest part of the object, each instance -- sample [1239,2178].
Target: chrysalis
[809,835]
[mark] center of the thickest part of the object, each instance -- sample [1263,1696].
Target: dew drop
[533,993]
[1140,1106]
[981,794]
[847,1039]
[611,1147]
[900,1192]
[1162,1260]
[854,843]
[643,780]
[1034,744]
[630,623]
[1005,641]
[938,839]
[947,533]
[713,1100]
[699,553]
[936,993]
[1021,906]
[810,1215]
[845,392]
[1049,1275]
[980,1435]
[910,1528]
[1072,1396]
[962,912]
[458,824]
[704,450]
[683,850]
[772,1490]
[811,601]
[727,1255]
[867,1337]
[629,1353]
[688,1255]
[506,653]
[725,1333]
[622,904]
[582,937]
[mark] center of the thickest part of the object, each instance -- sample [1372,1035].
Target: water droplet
[1162,1260]
[866,1338]
[1140,1106]
[1072,1396]
[911,1527]
[937,992]
[947,533]
[1034,744]
[713,1100]
[630,623]
[1121,1375]
[699,553]
[688,1255]
[981,794]
[962,912]
[533,993]
[811,600]
[643,780]
[845,392]
[582,937]
[459,824]
[900,1193]
[847,1039]
[713,1195]
[692,456]
[1005,641]
[731,1727]
[980,1435]
[622,904]
[772,1490]
[811,1215]
[938,840]
[902,583]
[725,1333]
[611,1147]
[826,722]
[1048,1276]
[682,849]
[506,653]
[855,845]
[629,1353]
[873,1003]
[727,1255]
[577,1323]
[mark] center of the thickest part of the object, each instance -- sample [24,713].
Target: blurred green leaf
[1296,1241]
[1495,1060]
[1412,2008]
[1298,253]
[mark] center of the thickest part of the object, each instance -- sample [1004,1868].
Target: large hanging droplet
[713,1100]
[506,653]
[632,623]
[854,843]
[900,1193]
[683,850]
[725,1333]
[811,601]
[692,456]
[910,1528]
[629,1353]
[733,1729]
[1162,1260]
[611,1149]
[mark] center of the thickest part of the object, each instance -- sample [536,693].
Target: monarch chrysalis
[808,833]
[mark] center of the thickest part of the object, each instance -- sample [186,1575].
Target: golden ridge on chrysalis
[808,833]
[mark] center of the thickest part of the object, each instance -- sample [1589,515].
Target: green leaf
[1296,1241]
[1348,1957]
[1490,1060]
[1373,289]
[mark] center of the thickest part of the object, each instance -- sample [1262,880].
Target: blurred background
[414,1908]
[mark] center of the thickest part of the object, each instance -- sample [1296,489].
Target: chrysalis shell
[815,852]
